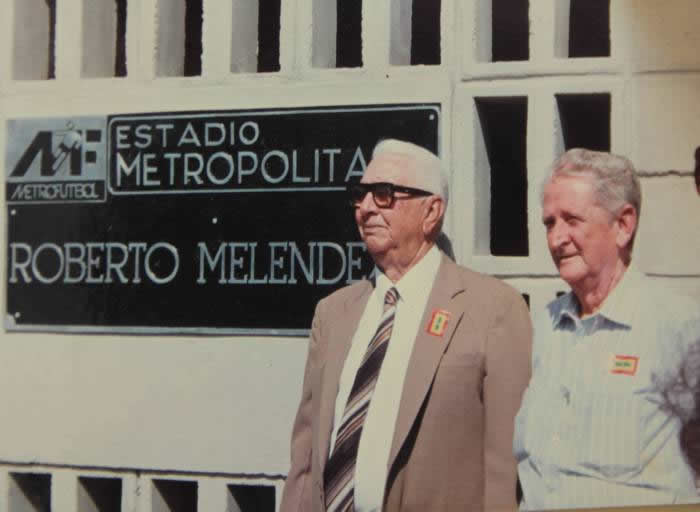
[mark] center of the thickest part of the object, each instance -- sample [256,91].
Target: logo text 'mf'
[55,149]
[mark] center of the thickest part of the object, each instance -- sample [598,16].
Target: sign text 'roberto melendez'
[227,263]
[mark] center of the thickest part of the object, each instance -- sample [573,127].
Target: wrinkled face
[581,234]
[391,233]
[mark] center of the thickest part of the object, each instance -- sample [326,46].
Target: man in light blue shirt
[592,430]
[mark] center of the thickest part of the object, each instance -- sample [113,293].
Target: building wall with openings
[165,422]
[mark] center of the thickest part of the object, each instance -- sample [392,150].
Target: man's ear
[627,225]
[434,212]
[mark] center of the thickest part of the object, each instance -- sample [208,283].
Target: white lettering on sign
[227,263]
[225,169]
[285,262]
[55,191]
[231,156]
[207,134]
[94,262]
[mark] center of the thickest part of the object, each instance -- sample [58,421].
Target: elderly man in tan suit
[413,379]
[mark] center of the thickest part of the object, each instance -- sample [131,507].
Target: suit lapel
[427,352]
[339,343]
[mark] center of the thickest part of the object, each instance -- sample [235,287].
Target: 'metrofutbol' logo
[64,163]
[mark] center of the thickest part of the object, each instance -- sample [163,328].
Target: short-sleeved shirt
[592,430]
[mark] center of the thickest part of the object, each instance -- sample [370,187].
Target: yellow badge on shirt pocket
[623,365]
[438,322]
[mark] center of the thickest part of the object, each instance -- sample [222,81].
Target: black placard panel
[211,222]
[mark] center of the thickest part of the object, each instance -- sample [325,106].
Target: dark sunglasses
[382,193]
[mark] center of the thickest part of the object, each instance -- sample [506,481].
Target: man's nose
[367,204]
[558,235]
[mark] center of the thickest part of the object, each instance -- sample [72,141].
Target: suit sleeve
[508,352]
[297,493]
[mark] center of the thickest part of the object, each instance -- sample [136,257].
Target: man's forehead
[574,195]
[575,187]
[391,167]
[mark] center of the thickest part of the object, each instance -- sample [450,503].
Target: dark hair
[681,396]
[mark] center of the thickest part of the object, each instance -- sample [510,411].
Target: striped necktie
[339,481]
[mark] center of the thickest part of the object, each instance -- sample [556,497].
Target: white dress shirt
[378,429]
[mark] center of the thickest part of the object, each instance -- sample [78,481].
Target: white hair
[613,178]
[431,174]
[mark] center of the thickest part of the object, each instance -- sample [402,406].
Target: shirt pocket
[610,443]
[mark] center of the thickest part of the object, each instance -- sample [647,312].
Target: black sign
[217,222]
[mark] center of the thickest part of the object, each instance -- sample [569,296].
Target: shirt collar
[413,282]
[617,307]
[562,308]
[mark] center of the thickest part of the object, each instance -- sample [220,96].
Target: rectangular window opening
[324,28]
[170,54]
[401,42]
[51,73]
[193,38]
[510,30]
[255,41]
[348,40]
[120,50]
[269,36]
[584,121]
[29,492]
[589,28]
[425,32]
[34,56]
[179,38]
[99,494]
[415,32]
[245,26]
[174,496]
[251,498]
[502,176]
[104,38]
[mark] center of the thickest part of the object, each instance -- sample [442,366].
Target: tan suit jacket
[452,445]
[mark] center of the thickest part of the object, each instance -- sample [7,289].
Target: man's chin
[376,248]
[568,268]
[570,275]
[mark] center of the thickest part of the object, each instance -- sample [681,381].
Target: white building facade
[170,421]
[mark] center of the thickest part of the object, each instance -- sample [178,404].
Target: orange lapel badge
[438,322]
[624,365]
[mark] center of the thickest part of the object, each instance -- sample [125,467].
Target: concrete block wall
[195,419]
[30,488]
